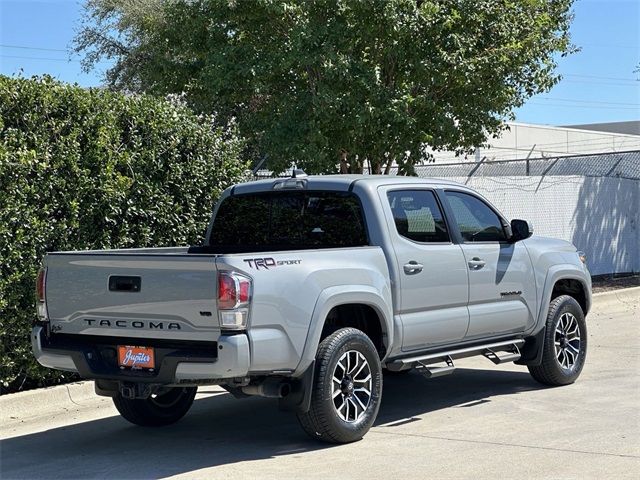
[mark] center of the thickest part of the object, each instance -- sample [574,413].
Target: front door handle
[476,263]
[413,267]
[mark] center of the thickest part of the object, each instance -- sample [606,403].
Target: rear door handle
[413,267]
[476,263]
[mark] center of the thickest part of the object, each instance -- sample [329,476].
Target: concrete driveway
[481,422]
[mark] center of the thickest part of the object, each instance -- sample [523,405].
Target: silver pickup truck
[306,289]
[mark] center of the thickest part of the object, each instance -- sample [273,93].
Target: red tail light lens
[226,291]
[40,284]
[41,305]
[234,290]
[245,291]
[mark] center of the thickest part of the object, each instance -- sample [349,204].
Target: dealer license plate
[136,358]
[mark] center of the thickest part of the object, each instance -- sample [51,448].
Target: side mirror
[520,229]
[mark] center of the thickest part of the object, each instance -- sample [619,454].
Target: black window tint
[417,216]
[289,220]
[476,220]
[241,220]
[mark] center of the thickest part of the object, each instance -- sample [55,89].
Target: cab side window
[417,216]
[475,219]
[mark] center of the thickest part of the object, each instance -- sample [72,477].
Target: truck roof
[340,182]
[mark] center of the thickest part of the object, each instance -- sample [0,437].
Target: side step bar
[432,372]
[503,357]
[499,352]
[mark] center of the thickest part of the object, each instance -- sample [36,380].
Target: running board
[432,372]
[499,352]
[503,357]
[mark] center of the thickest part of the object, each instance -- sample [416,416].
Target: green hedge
[85,169]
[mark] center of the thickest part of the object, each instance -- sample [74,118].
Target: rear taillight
[41,304]
[234,296]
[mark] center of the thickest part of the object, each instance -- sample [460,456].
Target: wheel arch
[560,280]
[362,316]
[564,280]
[572,287]
[372,307]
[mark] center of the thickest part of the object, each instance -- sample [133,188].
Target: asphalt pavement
[483,421]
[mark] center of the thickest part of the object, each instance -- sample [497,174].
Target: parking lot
[484,421]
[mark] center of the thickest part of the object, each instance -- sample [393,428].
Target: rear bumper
[176,362]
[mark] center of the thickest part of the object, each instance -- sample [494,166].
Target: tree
[335,84]
[92,169]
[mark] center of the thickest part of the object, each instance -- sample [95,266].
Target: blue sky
[599,82]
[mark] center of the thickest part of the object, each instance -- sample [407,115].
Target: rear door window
[289,220]
[417,216]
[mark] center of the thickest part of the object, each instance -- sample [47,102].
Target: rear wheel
[347,388]
[565,344]
[164,408]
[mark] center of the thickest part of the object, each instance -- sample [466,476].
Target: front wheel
[565,344]
[160,409]
[347,388]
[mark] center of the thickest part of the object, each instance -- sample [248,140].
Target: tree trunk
[344,166]
[387,169]
[356,166]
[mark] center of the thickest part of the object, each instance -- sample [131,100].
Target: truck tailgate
[142,295]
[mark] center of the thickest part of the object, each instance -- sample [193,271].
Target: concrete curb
[631,291]
[32,403]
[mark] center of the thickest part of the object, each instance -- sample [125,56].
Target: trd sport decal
[269,262]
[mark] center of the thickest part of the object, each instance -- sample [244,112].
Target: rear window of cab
[289,220]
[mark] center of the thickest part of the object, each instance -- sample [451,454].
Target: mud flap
[531,351]
[299,399]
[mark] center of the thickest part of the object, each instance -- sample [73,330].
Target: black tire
[324,421]
[159,410]
[552,371]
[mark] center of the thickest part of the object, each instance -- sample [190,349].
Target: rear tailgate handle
[120,283]
[413,267]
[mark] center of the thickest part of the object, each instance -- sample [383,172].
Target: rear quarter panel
[287,296]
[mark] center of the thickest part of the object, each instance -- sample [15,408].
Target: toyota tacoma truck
[306,289]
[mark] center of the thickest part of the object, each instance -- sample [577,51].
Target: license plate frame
[135,357]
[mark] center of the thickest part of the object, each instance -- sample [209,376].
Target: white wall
[600,215]
[523,139]
[545,140]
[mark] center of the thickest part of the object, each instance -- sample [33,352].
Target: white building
[522,140]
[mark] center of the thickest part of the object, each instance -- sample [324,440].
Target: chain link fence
[617,165]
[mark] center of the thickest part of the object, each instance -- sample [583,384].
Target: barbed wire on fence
[619,164]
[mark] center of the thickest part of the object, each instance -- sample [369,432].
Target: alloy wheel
[567,341]
[351,386]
